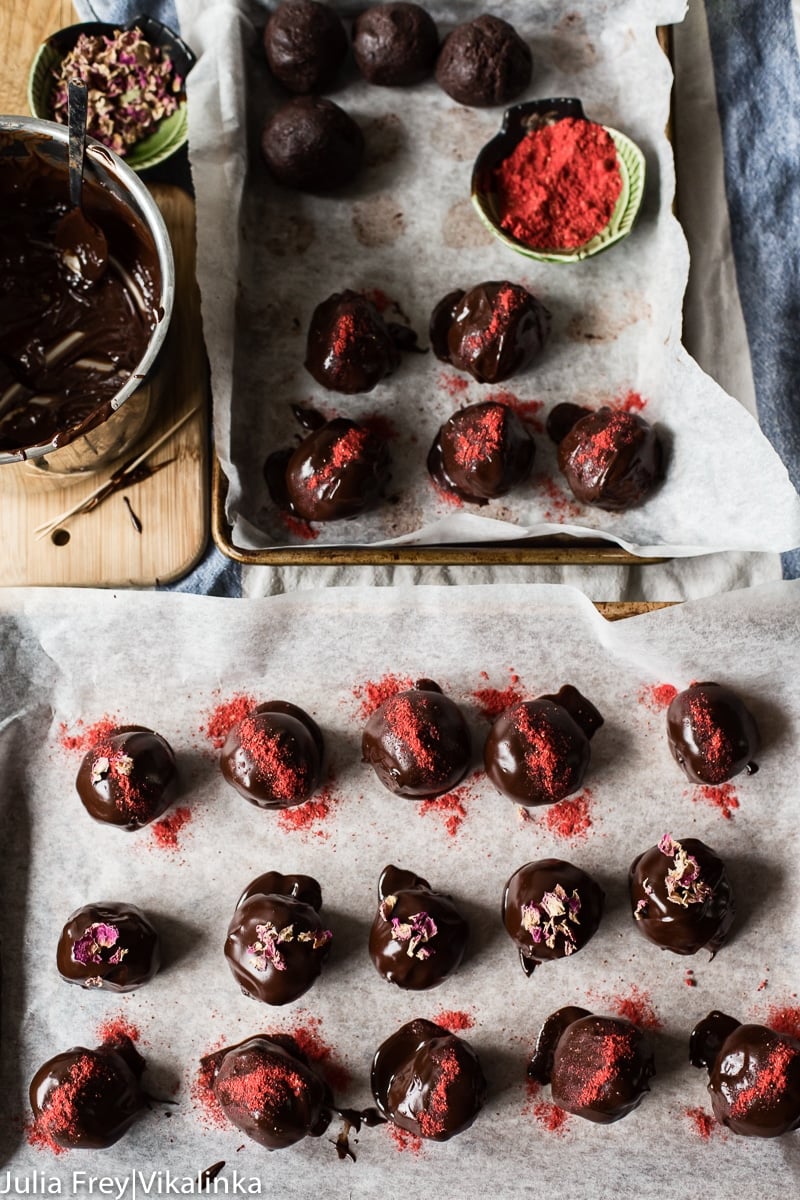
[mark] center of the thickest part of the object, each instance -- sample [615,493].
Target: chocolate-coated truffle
[428,1081]
[597,1067]
[550,910]
[110,946]
[87,1099]
[274,755]
[754,1075]
[306,44]
[484,62]
[611,458]
[128,778]
[349,347]
[266,1087]
[681,896]
[418,936]
[712,734]
[496,329]
[338,471]
[482,452]
[312,145]
[537,751]
[395,44]
[277,941]
[418,742]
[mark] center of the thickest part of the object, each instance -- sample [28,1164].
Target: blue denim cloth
[757,76]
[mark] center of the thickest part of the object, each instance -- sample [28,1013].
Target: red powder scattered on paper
[407,1142]
[380,425]
[202,1090]
[305,818]
[166,831]
[450,807]
[494,701]
[560,507]
[762,985]
[702,1121]
[526,410]
[658,696]
[454,1019]
[454,385]
[225,716]
[571,818]
[635,1005]
[631,402]
[445,494]
[317,1051]
[784,1019]
[298,527]
[114,1029]
[722,797]
[372,694]
[550,1117]
[689,979]
[85,737]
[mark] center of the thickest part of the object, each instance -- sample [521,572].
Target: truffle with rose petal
[550,910]
[418,936]
[128,778]
[111,946]
[681,897]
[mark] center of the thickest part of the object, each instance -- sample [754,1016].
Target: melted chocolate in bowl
[72,351]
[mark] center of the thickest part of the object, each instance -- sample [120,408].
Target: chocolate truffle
[484,62]
[266,1087]
[418,936]
[497,329]
[428,1081]
[110,946]
[128,778]
[597,1067]
[338,471]
[349,347]
[274,755]
[418,742]
[754,1075]
[87,1099]
[482,452]
[681,897]
[537,751]
[395,44]
[550,910]
[712,734]
[306,44]
[611,458]
[312,145]
[276,941]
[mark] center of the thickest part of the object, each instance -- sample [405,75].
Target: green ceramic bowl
[169,135]
[516,123]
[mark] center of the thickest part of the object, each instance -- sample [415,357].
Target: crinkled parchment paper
[165,661]
[268,256]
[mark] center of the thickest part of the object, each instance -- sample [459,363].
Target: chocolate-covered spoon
[83,244]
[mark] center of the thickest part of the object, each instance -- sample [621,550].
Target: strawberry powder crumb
[635,1005]
[702,1121]
[454,385]
[454,1019]
[560,507]
[225,716]
[784,1019]
[494,701]
[551,1117]
[722,797]
[202,1091]
[317,1051]
[114,1029]
[449,807]
[571,819]
[166,831]
[445,494]
[372,694]
[689,979]
[85,737]
[762,985]
[526,410]
[657,696]
[305,818]
[299,528]
[407,1142]
[632,402]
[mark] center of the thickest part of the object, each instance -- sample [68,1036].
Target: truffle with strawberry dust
[277,942]
[428,1081]
[350,348]
[305,43]
[754,1075]
[610,458]
[481,452]
[87,1099]
[550,910]
[418,742]
[109,946]
[537,751]
[418,936]
[493,331]
[128,778]
[274,756]
[712,734]
[266,1087]
[597,1067]
[681,897]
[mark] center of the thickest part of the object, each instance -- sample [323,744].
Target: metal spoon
[83,244]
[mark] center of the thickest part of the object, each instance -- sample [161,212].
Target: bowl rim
[155,223]
[516,121]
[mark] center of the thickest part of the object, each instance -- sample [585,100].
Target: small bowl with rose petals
[556,186]
[135,75]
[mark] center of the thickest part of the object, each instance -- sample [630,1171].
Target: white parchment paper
[165,661]
[406,227]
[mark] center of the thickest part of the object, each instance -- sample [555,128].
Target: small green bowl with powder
[126,89]
[522,120]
